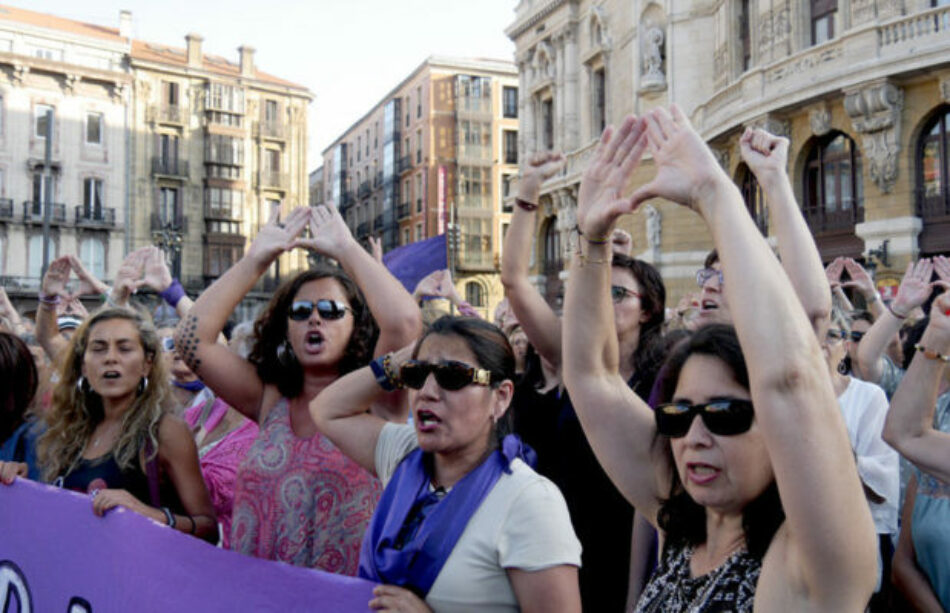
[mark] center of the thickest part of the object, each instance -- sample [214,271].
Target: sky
[348,53]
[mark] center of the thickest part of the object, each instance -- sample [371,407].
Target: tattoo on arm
[188,342]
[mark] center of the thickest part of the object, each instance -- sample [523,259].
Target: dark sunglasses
[856,336]
[705,274]
[301,310]
[450,375]
[724,417]
[837,335]
[619,292]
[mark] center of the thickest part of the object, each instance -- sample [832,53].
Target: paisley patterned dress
[301,501]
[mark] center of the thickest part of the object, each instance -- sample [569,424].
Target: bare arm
[618,424]
[551,590]
[225,372]
[796,409]
[862,282]
[52,292]
[539,321]
[909,425]
[10,315]
[767,157]
[914,290]
[906,575]
[179,457]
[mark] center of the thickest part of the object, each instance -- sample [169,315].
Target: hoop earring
[81,386]
[285,354]
[143,385]
[842,368]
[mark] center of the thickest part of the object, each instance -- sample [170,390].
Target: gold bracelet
[930,354]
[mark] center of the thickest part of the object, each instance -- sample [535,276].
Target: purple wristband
[173,294]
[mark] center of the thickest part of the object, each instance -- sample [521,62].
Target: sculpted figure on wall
[651,50]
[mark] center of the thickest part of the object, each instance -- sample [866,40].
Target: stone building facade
[438,152]
[860,88]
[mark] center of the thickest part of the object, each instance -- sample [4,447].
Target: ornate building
[860,87]
[436,153]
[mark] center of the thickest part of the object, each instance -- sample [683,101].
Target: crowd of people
[545,461]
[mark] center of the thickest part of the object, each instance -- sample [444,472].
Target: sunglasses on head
[705,274]
[618,293]
[450,375]
[301,310]
[168,344]
[725,417]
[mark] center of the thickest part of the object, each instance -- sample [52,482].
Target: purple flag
[411,263]
[56,555]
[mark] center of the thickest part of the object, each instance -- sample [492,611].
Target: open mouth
[701,473]
[709,305]
[427,419]
[111,374]
[314,341]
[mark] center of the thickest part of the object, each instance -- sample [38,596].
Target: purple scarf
[418,562]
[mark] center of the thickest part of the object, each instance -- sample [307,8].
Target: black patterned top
[729,588]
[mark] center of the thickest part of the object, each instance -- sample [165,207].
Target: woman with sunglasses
[745,465]
[464,524]
[599,513]
[297,498]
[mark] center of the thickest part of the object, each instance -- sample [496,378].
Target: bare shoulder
[269,399]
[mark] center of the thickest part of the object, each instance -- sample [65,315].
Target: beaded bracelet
[930,354]
[49,298]
[524,205]
[593,240]
[384,373]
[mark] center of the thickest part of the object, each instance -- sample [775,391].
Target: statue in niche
[653,58]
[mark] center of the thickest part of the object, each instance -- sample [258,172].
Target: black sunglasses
[724,417]
[301,310]
[856,336]
[450,375]
[837,335]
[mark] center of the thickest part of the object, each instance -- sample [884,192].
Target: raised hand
[915,287]
[686,168]
[7,311]
[155,270]
[129,276]
[942,267]
[447,287]
[765,154]
[860,279]
[376,248]
[329,234]
[429,285]
[274,237]
[56,277]
[600,200]
[833,272]
[540,167]
[88,284]
[937,335]
[621,242]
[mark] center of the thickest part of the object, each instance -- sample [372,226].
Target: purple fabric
[56,550]
[410,263]
[417,564]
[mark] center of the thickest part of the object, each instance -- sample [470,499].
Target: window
[598,102]
[92,198]
[92,254]
[224,203]
[418,193]
[270,111]
[474,187]
[419,101]
[745,35]
[41,122]
[834,190]
[933,174]
[418,146]
[405,236]
[418,232]
[511,146]
[35,248]
[221,149]
[168,151]
[219,257]
[93,128]
[552,248]
[474,294]
[823,20]
[359,148]
[40,190]
[509,101]
[753,197]
[170,93]
[547,123]
[476,241]
[272,160]
[506,181]
[169,206]
[223,97]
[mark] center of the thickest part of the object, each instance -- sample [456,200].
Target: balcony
[402,211]
[92,217]
[346,200]
[169,167]
[404,164]
[473,107]
[271,179]
[168,114]
[365,190]
[378,222]
[176,224]
[6,209]
[33,212]
[842,218]
[273,130]
[378,179]
[362,230]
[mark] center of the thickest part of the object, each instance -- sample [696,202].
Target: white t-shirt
[522,523]
[864,407]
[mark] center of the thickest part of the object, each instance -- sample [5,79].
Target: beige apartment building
[216,145]
[860,87]
[439,151]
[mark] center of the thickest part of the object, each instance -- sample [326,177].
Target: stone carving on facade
[887,9]
[18,76]
[774,28]
[804,64]
[773,125]
[653,75]
[945,89]
[118,92]
[70,81]
[862,11]
[721,66]
[543,62]
[654,227]
[875,112]
[820,120]
[599,35]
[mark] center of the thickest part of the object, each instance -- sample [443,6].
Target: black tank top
[104,473]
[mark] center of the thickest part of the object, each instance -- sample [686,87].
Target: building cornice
[50,66]
[520,27]
[200,73]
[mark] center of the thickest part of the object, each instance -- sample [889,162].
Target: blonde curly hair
[77,410]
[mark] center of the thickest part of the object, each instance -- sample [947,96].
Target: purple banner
[410,263]
[56,555]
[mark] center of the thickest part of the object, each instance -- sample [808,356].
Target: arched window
[474,294]
[754,199]
[834,188]
[92,254]
[552,248]
[933,182]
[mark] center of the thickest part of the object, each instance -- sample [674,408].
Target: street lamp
[168,238]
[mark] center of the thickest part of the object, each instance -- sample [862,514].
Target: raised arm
[619,426]
[52,292]
[159,278]
[539,321]
[767,157]
[397,315]
[795,406]
[914,290]
[229,375]
[862,282]
[9,315]
[909,426]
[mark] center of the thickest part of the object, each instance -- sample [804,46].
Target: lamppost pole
[47,186]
